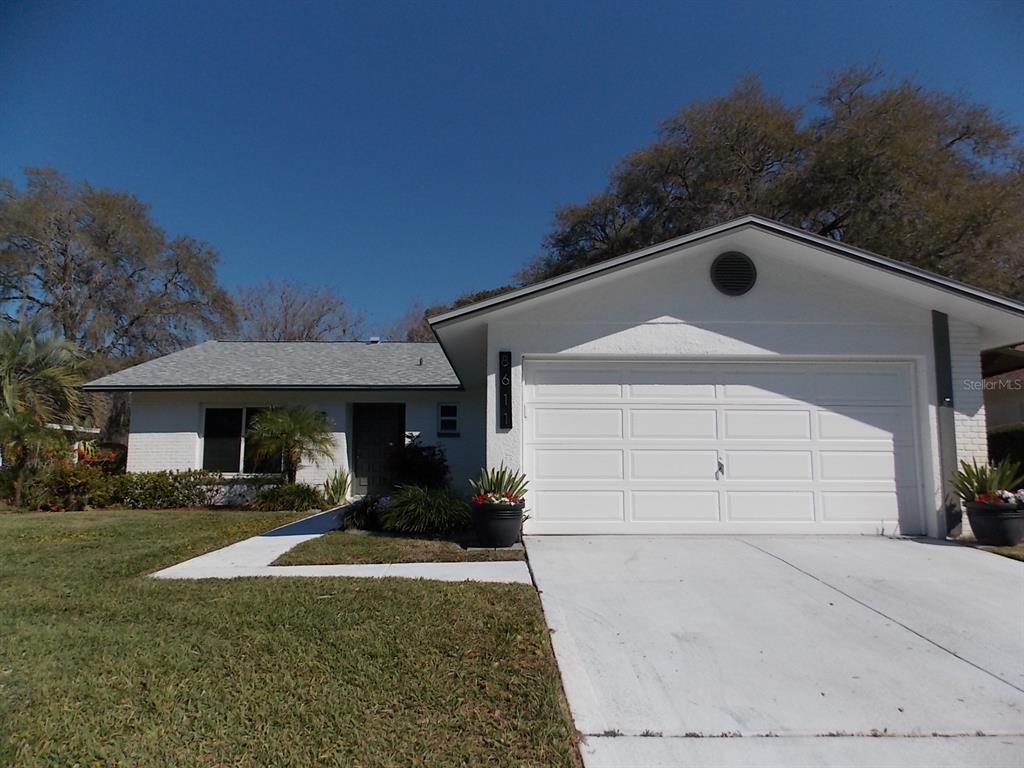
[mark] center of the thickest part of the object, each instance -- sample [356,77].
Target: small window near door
[447,420]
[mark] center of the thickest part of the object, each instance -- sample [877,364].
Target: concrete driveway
[693,651]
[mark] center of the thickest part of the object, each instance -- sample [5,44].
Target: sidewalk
[253,557]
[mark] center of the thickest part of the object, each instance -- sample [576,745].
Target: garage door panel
[886,387]
[766,385]
[571,383]
[763,424]
[578,506]
[671,424]
[670,383]
[782,506]
[851,423]
[769,465]
[673,465]
[576,423]
[876,466]
[674,506]
[848,506]
[563,464]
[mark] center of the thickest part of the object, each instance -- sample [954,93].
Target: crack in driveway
[884,615]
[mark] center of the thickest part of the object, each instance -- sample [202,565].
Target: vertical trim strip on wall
[946,421]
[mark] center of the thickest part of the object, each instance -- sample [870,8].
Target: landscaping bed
[351,547]
[102,666]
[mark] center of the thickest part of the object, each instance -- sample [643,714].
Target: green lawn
[358,547]
[100,666]
[1015,552]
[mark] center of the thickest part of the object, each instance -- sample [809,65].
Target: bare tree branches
[286,311]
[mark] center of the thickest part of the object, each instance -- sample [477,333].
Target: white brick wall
[166,427]
[968,398]
[968,395]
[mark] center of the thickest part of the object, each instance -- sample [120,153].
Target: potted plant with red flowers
[995,511]
[498,501]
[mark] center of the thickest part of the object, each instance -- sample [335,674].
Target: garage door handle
[721,470]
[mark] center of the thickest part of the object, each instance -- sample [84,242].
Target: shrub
[168,490]
[291,497]
[416,463]
[499,486]
[980,483]
[1007,442]
[60,485]
[336,488]
[413,509]
[363,514]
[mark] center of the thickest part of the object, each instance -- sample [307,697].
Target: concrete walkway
[253,557]
[786,651]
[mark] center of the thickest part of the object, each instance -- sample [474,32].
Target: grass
[100,666]
[1015,552]
[357,547]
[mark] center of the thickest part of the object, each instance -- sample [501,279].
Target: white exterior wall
[668,308]
[167,427]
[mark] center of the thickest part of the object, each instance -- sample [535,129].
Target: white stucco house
[747,378]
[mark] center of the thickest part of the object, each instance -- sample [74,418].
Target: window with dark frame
[225,448]
[447,420]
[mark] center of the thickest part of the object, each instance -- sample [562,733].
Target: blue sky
[401,152]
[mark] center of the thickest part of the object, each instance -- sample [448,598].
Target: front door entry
[377,430]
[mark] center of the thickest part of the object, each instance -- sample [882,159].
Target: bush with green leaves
[499,486]
[419,464]
[168,489]
[290,497]
[974,482]
[412,509]
[363,514]
[336,488]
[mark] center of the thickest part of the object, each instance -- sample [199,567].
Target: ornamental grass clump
[412,509]
[499,486]
[988,483]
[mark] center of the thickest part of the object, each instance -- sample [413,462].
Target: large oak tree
[90,266]
[921,176]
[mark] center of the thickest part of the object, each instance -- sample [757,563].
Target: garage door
[645,447]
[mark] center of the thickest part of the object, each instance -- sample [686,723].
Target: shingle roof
[290,365]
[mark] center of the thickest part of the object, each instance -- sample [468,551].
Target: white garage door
[645,447]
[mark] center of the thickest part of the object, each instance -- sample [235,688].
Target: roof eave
[267,387]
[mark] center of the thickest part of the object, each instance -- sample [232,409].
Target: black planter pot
[497,525]
[997,525]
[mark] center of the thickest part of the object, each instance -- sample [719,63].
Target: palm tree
[39,376]
[294,433]
[39,380]
[26,442]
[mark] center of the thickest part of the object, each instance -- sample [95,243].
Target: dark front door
[377,429]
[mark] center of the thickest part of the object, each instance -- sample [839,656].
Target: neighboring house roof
[840,249]
[290,365]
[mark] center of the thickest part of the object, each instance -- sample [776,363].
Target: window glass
[447,419]
[222,439]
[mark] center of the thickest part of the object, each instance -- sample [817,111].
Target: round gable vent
[733,273]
